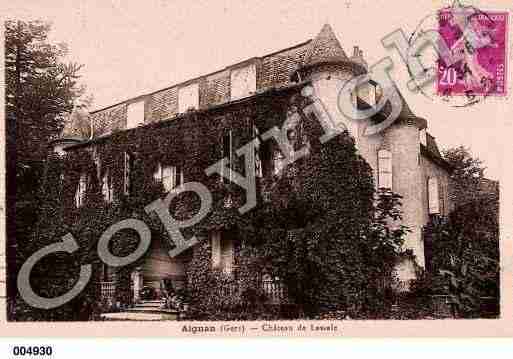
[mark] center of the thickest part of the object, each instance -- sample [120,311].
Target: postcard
[244,169]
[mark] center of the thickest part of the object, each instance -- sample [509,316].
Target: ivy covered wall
[316,225]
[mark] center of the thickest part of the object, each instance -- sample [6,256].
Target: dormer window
[135,115]
[188,98]
[243,81]
[367,92]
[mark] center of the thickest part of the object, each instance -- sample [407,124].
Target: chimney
[356,51]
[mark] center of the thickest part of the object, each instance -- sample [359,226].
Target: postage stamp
[478,39]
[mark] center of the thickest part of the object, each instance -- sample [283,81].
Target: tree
[40,90]
[465,262]
[467,175]
[466,256]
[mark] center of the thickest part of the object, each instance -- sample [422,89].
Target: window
[80,194]
[107,187]
[384,169]
[135,114]
[188,97]
[266,156]
[243,81]
[280,162]
[433,196]
[169,176]
[222,252]
[128,163]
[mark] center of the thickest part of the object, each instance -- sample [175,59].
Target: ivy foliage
[466,256]
[322,229]
[326,236]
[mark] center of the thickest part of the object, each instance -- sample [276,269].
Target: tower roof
[77,126]
[324,48]
[406,113]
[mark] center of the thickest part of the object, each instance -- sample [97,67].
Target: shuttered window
[216,249]
[169,176]
[222,252]
[384,169]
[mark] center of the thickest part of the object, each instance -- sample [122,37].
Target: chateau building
[404,157]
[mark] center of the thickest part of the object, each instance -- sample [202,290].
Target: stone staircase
[149,310]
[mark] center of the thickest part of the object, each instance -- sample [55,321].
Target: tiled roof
[99,137]
[324,48]
[77,126]
[406,113]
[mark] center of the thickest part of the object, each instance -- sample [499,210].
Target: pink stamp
[476,41]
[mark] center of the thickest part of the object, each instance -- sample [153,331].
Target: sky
[130,48]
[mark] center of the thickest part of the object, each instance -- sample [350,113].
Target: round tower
[77,128]
[403,140]
[327,66]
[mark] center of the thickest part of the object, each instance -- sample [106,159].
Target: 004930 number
[32,351]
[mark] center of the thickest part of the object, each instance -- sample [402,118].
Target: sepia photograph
[300,165]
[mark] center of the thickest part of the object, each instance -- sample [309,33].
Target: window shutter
[169,177]
[256,155]
[127,165]
[157,175]
[216,249]
[181,179]
[77,196]
[81,190]
[227,255]
[107,187]
[384,169]
[433,196]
